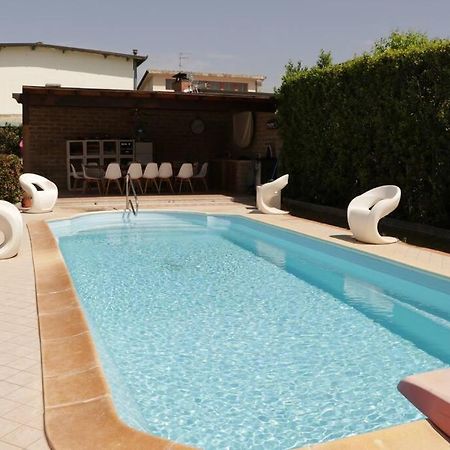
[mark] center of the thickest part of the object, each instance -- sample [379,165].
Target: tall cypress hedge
[376,119]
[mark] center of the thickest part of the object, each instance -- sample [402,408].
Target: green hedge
[10,170]
[10,136]
[377,119]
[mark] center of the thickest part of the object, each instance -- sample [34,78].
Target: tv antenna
[182,56]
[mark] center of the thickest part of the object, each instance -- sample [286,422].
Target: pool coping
[78,407]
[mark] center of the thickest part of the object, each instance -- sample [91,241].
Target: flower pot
[26,201]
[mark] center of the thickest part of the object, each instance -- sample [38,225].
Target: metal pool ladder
[129,205]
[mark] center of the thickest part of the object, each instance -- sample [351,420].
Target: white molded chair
[151,174]
[165,174]
[135,172]
[43,192]
[113,173]
[75,175]
[201,176]
[185,174]
[268,196]
[88,177]
[11,226]
[365,211]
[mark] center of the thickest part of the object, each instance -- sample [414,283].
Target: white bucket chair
[11,230]
[43,192]
[365,211]
[135,172]
[113,173]
[151,174]
[165,175]
[201,176]
[268,196]
[185,174]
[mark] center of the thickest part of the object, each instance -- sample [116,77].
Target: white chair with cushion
[365,211]
[43,192]
[201,176]
[165,175]
[185,174]
[135,172]
[151,174]
[11,227]
[268,196]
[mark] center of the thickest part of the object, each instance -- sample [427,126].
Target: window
[169,83]
[223,86]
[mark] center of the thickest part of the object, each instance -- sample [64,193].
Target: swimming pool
[221,332]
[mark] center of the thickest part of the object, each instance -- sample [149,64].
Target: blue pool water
[224,333]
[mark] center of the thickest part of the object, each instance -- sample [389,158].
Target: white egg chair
[11,230]
[268,196]
[365,211]
[43,192]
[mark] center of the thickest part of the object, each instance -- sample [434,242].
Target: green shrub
[376,119]
[10,170]
[10,136]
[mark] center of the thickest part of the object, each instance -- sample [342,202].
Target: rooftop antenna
[181,57]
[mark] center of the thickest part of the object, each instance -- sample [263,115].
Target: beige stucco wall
[21,66]
[157,82]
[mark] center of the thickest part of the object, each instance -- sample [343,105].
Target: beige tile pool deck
[78,410]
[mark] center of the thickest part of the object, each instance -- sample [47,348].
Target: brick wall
[48,127]
[262,137]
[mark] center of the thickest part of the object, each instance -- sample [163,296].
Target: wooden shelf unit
[100,151]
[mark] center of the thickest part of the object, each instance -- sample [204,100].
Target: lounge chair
[185,174]
[268,196]
[365,211]
[11,226]
[43,192]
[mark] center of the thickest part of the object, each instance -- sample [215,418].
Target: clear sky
[238,36]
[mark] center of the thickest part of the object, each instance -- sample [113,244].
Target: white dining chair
[113,173]
[201,175]
[135,172]
[165,175]
[90,178]
[76,176]
[151,174]
[185,173]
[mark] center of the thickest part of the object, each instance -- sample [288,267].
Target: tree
[324,60]
[398,40]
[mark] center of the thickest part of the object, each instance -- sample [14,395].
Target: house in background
[39,64]
[162,80]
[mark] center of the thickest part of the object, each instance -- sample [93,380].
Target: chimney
[181,83]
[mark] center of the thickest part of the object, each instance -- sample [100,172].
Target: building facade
[39,64]
[162,80]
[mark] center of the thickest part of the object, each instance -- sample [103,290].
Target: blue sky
[253,37]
